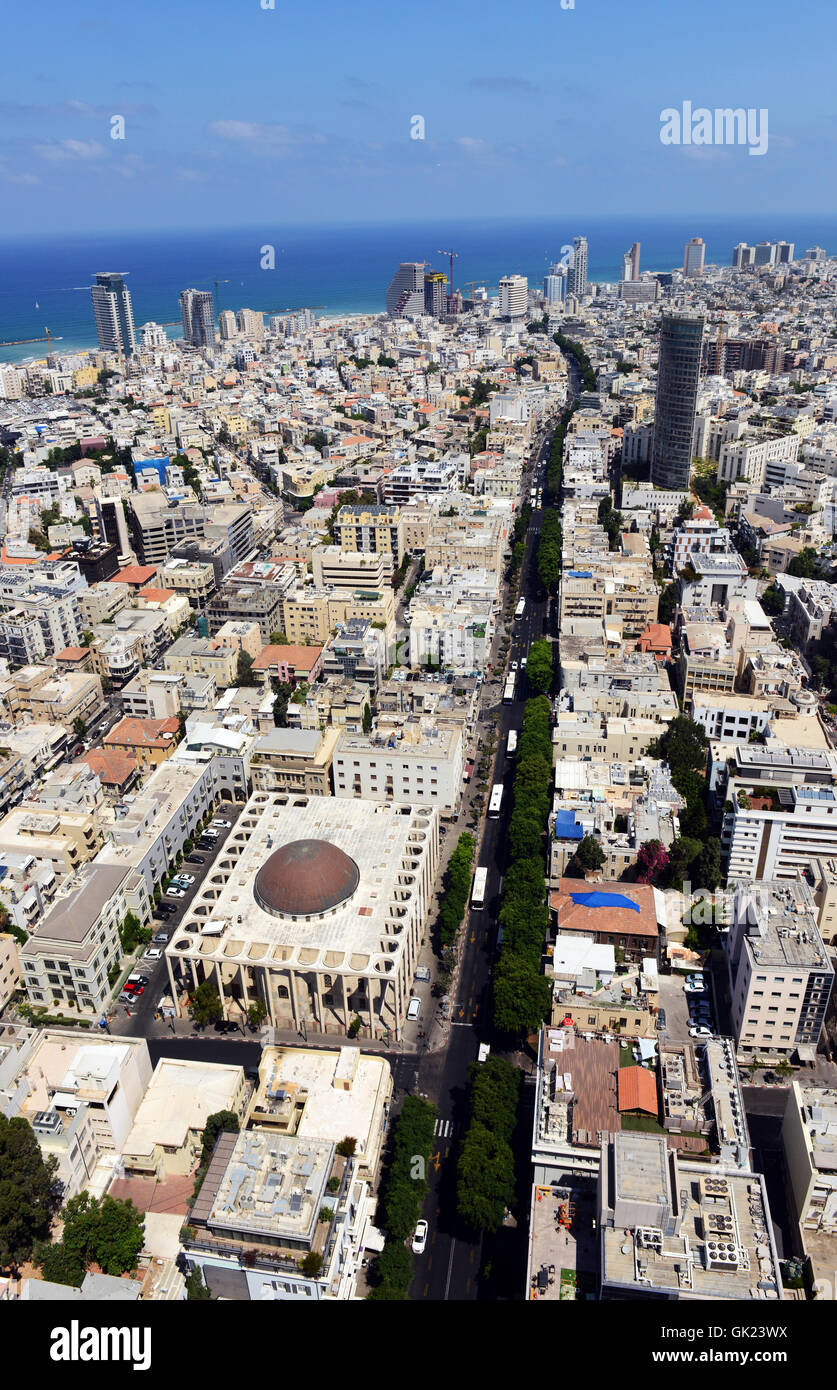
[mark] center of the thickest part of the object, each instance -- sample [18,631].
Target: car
[165,910]
[523,661]
[694,988]
[194,859]
[514,666]
[176,892]
[183,878]
[420,1238]
[160,938]
[661,1018]
[414,1008]
[209,833]
[153,953]
[700,1031]
[137,991]
[129,987]
[205,844]
[696,979]
[137,980]
[221,824]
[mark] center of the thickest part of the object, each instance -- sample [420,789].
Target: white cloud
[271,139]
[71,149]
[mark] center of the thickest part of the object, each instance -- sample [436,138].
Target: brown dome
[305,878]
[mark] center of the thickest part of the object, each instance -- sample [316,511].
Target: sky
[235,114]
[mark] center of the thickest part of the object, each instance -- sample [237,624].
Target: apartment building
[288,664]
[357,652]
[290,760]
[808,1142]
[609,592]
[64,838]
[201,656]
[779,971]
[9,968]
[451,636]
[147,837]
[333,568]
[194,580]
[371,530]
[780,812]
[417,762]
[101,602]
[149,741]
[239,601]
[68,960]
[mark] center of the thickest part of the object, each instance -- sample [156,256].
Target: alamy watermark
[723,126]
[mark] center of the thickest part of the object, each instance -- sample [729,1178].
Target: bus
[520,609]
[478,892]
[496,798]
[511,745]
[508,689]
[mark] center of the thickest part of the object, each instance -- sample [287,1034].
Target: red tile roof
[637,1090]
[135,574]
[301,658]
[144,733]
[610,919]
[112,767]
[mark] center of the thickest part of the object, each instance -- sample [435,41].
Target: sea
[45,281]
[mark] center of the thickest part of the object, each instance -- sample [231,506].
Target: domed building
[316,906]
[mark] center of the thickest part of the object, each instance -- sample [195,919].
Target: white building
[415,763]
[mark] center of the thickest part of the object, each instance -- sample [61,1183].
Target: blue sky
[238,115]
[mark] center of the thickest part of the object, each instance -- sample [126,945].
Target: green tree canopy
[29,1191]
[107,1232]
[206,1006]
[539,667]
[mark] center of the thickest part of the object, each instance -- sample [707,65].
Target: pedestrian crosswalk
[445,1129]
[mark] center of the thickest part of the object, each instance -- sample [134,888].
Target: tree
[311,1264]
[522,995]
[652,861]
[29,1192]
[391,1272]
[79,726]
[244,669]
[708,872]
[107,1232]
[805,564]
[773,601]
[196,1290]
[347,1146]
[206,1004]
[278,639]
[256,1013]
[589,855]
[221,1122]
[668,602]
[367,719]
[539,667]
[280,704]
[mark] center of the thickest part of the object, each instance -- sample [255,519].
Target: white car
[514,666]
[694,988]
[700,1031]
[221,824]
[523,661]
[180,880]
[152,954]
[175,892]
[420,1238]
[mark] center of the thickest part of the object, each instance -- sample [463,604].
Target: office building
[577,282]
[555,285]
[405,294]
[197,312]
[784,252]
[514,296]
[779,971]
[765,253]
[678,375]
[743,256]
[693,256]
[634,254]
[114,316]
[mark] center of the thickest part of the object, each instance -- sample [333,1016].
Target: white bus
[496,798]
[508,689]
[478,892]
[511,745]
[520,609]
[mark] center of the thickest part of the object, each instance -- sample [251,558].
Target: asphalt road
[137,1022]
[449,1268]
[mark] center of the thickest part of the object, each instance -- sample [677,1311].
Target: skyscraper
[577,281]
[555,285]
[514,296]
[435,293]
[784,252]
[627,267]
[197,312]
[635,261]
[743,255]
[112,309]
[405,293]
[766,253]
[251,323]
[693,256]
[678,374]
[227,324]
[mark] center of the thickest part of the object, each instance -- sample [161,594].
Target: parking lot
[675,1001]
[132,1019]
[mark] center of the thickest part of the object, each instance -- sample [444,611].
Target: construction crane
[454,255]
[20,342]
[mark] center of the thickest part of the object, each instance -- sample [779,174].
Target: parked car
[661,1018]
[176,892]
[164,910]
[137,980]
[194,859]
[700,1031]
[695,988]
[183,878]
[697,978]
[514,666]
[414,1008]
[420,1238]
[160,938]
[210,833]
[153,953]
[221,824]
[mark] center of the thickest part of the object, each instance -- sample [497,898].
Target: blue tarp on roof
[604,900]
[580,574]
[566,828]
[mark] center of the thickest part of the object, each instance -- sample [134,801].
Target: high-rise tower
[678,375]
[114,316]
